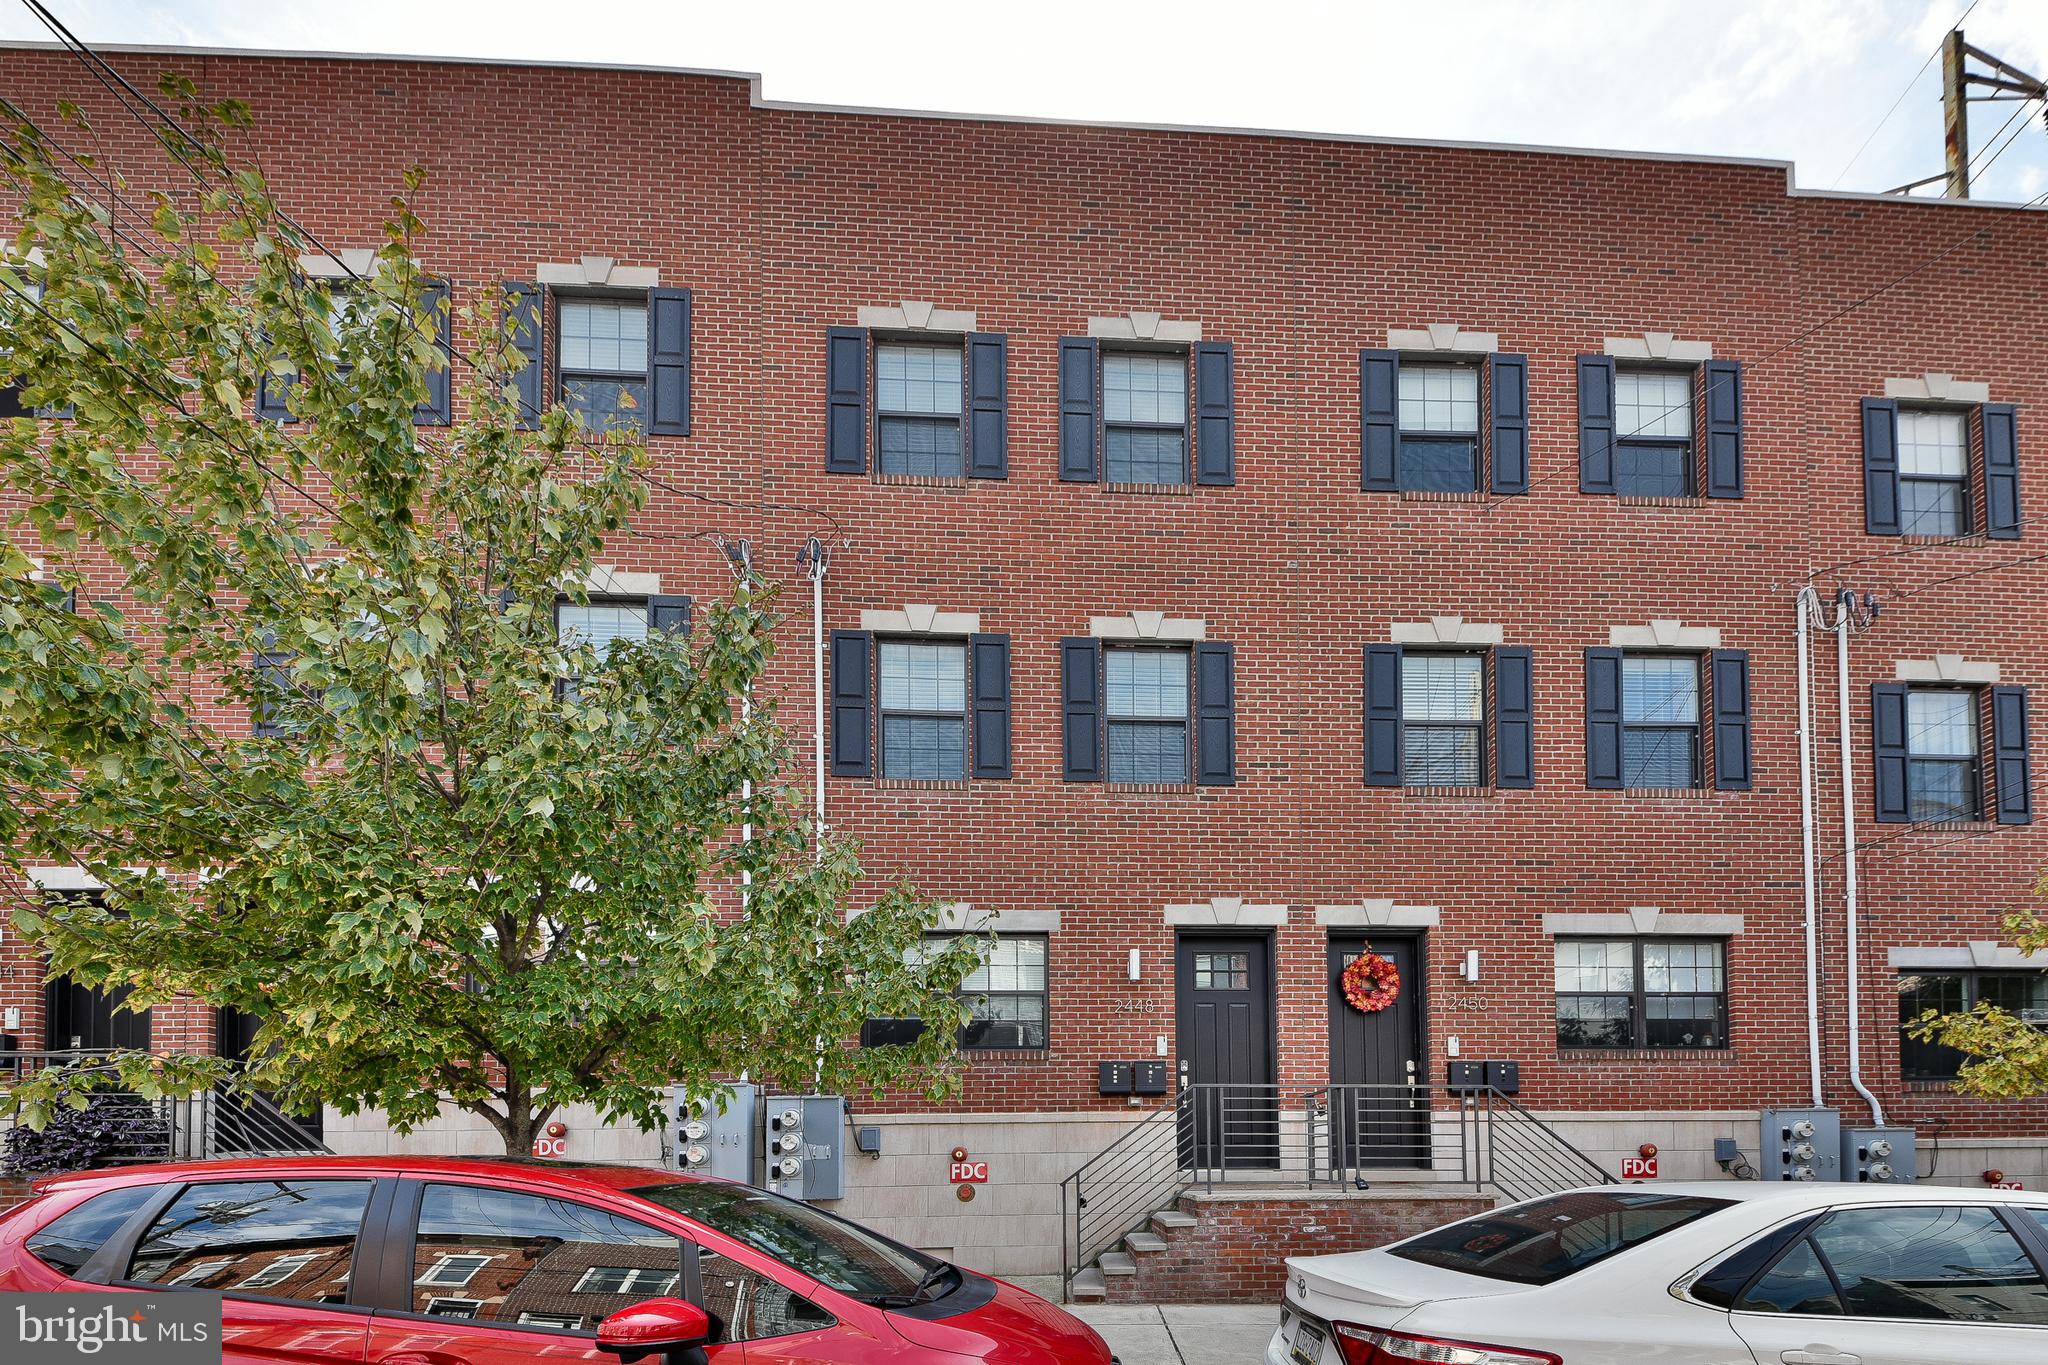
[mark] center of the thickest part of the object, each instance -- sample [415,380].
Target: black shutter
[1379,421]
[1215,715]
[1603,718]
[1721,397]
[988,662]
[852,703]
[1514,717]
[1081,708]
[1383,715]
[1507,389]
[1215,413]
[846,400]
[2001,471]
[1596,424]
[271,682]
[273,396]
[1079,421]
[1881,469]
[522,312]
[2012,772]
[1888,752]
[668,615]
[1730,685]
[668,362]
[439,409]
[988,407]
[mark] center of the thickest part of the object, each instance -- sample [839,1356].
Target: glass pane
[604,335]
[1593,1021]
[599,624]
[1798,1283]
[1954,1263]
[280,1239]
[1144,456]
[745,1305]
[1654,403]
[1933,507]
[1595,965]
[1682,967]
[502,1256]
[1148,751]
[605,404]
[917,379]
[1444,687]
[1440,756]
[809,1241]
[1006,1021]
[68,1242]
[1138,387]
[1658,689]
[924,748]
[1147,683]
[2021,993]
[1545,1241]
[1919,992]
[1438,465]
[1650,471]
[928,446]
[1658,757]
[1014,964]
[1935,444]
[920,677]
[1943,789]
[1223,971]
[1941,724]
[1682,1021]
[1439,398]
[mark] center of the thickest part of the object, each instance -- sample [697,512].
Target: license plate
[1308,1344]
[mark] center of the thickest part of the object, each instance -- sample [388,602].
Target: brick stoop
[1229,1246]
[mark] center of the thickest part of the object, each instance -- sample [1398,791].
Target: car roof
[1820,1194]
[550,1174]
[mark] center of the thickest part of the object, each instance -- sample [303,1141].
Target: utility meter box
[1802,1144]
[803,1145]
[1879,1156]
[707,1142]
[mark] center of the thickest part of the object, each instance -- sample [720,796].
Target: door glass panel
[1223,971]
[276,1239]
[1955,1264]
[746,1305]
[1796,1284]
[506,1257]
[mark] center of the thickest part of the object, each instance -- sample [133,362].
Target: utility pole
[1955,114]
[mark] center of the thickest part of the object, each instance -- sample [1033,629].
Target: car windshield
[1543,1242]
[832,1251]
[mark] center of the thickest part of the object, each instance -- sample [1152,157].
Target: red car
[436,1262]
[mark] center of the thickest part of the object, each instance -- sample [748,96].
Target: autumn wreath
[1371,983]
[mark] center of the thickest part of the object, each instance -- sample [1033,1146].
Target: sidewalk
[1182,1334]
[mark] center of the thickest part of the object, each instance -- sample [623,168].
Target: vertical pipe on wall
[1809,601]
[1844,612]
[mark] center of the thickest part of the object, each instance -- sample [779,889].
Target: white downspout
[814,557]
[1809,600]
[1843,614]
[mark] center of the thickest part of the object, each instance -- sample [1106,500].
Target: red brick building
[1246,546]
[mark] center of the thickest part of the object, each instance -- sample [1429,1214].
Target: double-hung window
[603,361]
[1944,766]
[2024,995]
[1147,692]
[923,712]
[1641,993]
[917,409]
[1653,433]
[599,624]
[1439,416]
[1007,997]
[1145,417]
[1934,472]
[1660,720]
[1443,719]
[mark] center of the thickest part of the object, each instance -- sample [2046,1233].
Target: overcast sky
[1803,80]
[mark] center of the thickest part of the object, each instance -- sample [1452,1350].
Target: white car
[1720,1273]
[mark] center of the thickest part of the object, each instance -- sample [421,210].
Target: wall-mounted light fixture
[1135,973]
[1469,968]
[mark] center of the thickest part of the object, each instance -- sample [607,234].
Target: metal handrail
[206,1124]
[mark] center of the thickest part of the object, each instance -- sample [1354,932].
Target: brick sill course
[1667,502]
[1451,793]
[920,481]
[1149,788]
[1692,1056]
[1167,490]
[1666,793]
[1439,495]
[917,784]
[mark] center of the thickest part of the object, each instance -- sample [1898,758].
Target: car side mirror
[665,1327]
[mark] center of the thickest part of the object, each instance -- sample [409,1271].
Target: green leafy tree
[2006,1057]
[443,873]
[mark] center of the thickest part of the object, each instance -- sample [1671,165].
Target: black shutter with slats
[1721,398]
[668,362]
[1507,390]
[1881,469]
[1730,685]
[846,400]
[522,313]
[668,615]
[1081,708]
[1215,413]
[1603,718]
[1215,714]
[1379,420]
[1888,752]
[1514,717]
[1596,424]
[988,670]
[988,406]
[1080,420]
[2012,772]
[439,409]
[2001,471]
[852,703]
[1383,715]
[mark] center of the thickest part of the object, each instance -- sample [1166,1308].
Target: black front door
[87,1017]
[238,1127]
[1379,1109]
[1224,989]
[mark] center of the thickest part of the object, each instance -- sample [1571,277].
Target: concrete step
[1144,1243]
[1087,1286]
[1167,1220]
[1116,1263]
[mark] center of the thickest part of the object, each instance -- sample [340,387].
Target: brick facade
[1299,251]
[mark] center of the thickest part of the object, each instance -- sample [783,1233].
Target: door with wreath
[1379,1086]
